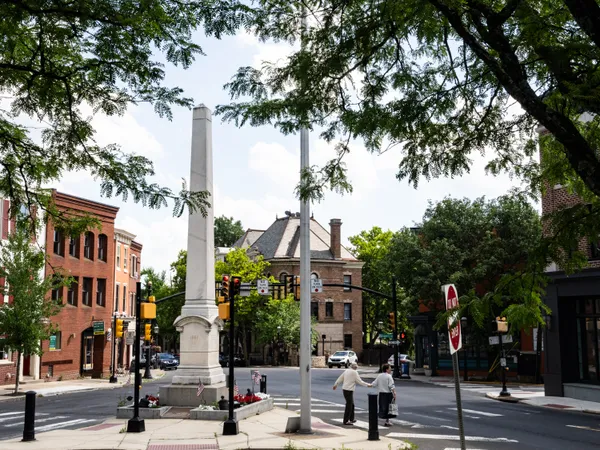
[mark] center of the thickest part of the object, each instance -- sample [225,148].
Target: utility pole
[147,373]
[136,424]
[113,376]
[396,373]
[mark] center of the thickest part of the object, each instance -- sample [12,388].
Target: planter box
[239,413]
[126,412]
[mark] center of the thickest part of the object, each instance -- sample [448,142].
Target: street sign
[53,342]
[503,362]
[130,338]
[495,340]
[244,289]
[316,285]
[98,328]
[262,287]
[386,335]
[394,342]
[454,332]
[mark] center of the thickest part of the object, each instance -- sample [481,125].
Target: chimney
[335,227]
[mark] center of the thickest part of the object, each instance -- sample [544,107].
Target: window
[57,295]
[347,280]
[125,258]
[124,296]
[348,341]
[118,256]
[102,247]
[86,292]
[314,310]
[329,309]
[132,304]
[282,277]
[55,341]
[74,246]
[117,289]
[5,354]
[134,266]
[588,339]
[88,245]
[59,243]
[347,311]
[101,292]
[314,276]
[72,295]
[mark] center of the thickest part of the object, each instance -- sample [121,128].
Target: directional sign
[244,289]
[316,285]
[394,342]
[98,328]
[453,331]
[262,287]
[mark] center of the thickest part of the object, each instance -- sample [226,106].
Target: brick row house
[572,357]
[337,310]
[96,260]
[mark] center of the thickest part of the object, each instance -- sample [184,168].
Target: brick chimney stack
[335,226]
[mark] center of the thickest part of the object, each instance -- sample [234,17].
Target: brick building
[573,332]
[338,310]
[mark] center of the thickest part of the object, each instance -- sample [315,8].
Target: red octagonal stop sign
[454,332]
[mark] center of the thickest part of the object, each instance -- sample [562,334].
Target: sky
[256,169]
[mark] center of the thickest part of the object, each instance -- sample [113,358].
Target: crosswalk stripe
[449,437]
[360,424]
[55,426]
[482,413]
[36,421]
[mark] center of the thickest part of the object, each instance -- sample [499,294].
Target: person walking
[348,379]
[387,393]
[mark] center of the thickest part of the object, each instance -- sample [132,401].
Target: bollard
[263,384]
[373,425]
[29,427]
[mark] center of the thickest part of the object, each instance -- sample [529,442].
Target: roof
[248,238]
[282,240]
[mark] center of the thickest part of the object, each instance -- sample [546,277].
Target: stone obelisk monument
[199,322]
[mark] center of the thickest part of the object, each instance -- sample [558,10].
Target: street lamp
[278,344]
[147,373]
[380,323]
[463,324]
[323,338]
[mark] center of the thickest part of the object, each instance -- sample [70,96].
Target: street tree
[167,311]
[60,59]
[441,81]
[227,231]
[26,320]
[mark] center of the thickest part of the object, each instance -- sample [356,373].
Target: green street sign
[386,335]
[98,328]
[53,342]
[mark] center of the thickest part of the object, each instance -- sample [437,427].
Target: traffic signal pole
[113,376]
[396,373]
[136,424]
[230,426]
[147,373]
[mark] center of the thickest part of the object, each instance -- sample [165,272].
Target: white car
[401,359]
[342,358]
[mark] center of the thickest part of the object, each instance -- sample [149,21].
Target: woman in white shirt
[349,379]
[387,393]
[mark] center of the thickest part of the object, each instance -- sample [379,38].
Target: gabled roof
[248,238]
[282,240]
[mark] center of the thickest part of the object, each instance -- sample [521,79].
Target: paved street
[427,417]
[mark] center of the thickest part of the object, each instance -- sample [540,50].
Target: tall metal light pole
[147,373]
[113,376]
[380,323]
[305,338]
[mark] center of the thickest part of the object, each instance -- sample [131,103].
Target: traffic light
[225,287]
[392,318]
[289,284]
[402,335]
[119,328]
[500,325]
[147,332]
[297,289]
[236,286]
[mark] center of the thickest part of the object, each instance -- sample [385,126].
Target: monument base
[186,394]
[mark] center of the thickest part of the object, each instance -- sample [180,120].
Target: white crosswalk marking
[36,421]
[68,423]
[361,424]
[12,414]
[449,437]
[482,413]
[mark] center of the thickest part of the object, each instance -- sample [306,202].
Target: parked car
[166,361]
[142,364]
[238,360]
[401,359]
[342,358]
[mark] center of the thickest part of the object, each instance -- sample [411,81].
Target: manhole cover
[177,413]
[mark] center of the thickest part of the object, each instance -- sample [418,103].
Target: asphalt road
[427,416]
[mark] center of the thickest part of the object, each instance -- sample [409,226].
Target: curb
[508,399]
[21,397]
[592,411]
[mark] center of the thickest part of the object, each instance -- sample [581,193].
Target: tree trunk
[17,377]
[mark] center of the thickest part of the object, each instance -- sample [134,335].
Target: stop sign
[453,322]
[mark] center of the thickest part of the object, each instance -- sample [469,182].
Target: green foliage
[484,248]
[227,231]
[26,321]
[60,59]
[167,311]
[436,78]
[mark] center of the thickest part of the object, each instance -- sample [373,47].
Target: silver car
[342,358]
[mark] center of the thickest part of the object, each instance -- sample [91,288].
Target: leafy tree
[227,231]
[179,266]
[167,311]
[57,58]
[26,320]
[438,79]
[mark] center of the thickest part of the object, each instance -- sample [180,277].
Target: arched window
[282,277]
[88,245]
[102,247]
[314,276]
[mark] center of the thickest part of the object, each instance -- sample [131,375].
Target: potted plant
[428,371]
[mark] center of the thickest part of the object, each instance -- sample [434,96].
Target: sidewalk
[261,431]
[45,389]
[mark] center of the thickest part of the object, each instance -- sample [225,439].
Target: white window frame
[125,248]
[118,257]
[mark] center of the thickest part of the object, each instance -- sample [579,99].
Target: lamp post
[278,344]
[323,339]
[113,376]
[147,373]
[380,323]
[463,323]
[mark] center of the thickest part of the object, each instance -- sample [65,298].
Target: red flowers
[246,399]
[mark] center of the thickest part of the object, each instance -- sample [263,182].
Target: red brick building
[338,310]
[8,359]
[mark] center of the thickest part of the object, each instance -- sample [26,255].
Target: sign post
[455,340]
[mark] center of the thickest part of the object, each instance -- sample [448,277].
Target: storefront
[573,336]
